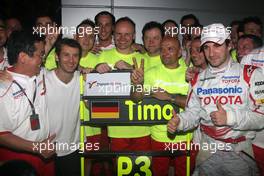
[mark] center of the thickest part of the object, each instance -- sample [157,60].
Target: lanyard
[34,95]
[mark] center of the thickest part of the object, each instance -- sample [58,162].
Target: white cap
[216,33]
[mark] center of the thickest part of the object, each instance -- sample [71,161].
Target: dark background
[26,10]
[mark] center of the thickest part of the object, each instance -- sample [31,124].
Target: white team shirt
[15,108]
[241,100]
[63,104]
[256,58]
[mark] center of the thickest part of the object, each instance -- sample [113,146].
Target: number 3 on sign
[133,165]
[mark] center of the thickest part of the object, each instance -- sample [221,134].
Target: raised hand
[219,117]
[173,123]
[137,76]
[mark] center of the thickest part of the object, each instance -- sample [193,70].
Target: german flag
[105,110]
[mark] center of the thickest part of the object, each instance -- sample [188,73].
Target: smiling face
[86,38]
[105,27]
[197,55]
[68,59]
[217,55]
[170,52]
[244,47]
[124,35]
[32,64]
[152,40]
[252,28]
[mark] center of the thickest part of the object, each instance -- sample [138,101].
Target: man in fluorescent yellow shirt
[124,137]
[169,79]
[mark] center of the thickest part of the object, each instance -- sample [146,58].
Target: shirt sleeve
[7,109]
[189,119]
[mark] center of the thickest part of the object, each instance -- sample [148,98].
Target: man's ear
[134,36]
[57,58]
[22,57]
[75,36]
[180,53]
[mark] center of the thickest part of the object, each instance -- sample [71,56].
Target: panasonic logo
[226,90]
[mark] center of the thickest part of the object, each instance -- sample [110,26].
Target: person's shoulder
[107,53]
[256,55]
[5,89]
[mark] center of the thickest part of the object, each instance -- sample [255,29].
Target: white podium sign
[108,84]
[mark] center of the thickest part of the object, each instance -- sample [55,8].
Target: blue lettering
[226,90]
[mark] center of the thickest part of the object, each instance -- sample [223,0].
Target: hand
[96,49]
[173,123]
[190,73]
[46,148]
[103,68]
[85,70]
[137,76]
[219,117]
[138,47]
[121,65]
[161,94]
[51,38]
[5,76]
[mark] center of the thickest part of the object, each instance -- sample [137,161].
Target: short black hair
[127,19]
[190,16]
[104,13]
[85,22]
[257,42]
[252,19]
[43,14]
[170,21]
[21,41]
[68,42]
[151,25]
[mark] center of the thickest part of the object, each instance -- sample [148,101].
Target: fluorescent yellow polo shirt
[111,57]
[173,81]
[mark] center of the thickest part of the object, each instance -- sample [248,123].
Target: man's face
[13,25]
[124,35]
[43,23]
[68,59]
[152,40]
[105,27]
[244,47]
[187,23]
[197,55]
[171,27]
[252,28]
[3,35]
[34,62]
[85,37]
[216,55]
[170,51]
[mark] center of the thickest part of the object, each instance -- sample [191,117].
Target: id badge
[34,122]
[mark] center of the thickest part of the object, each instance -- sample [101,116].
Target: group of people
[214,76]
